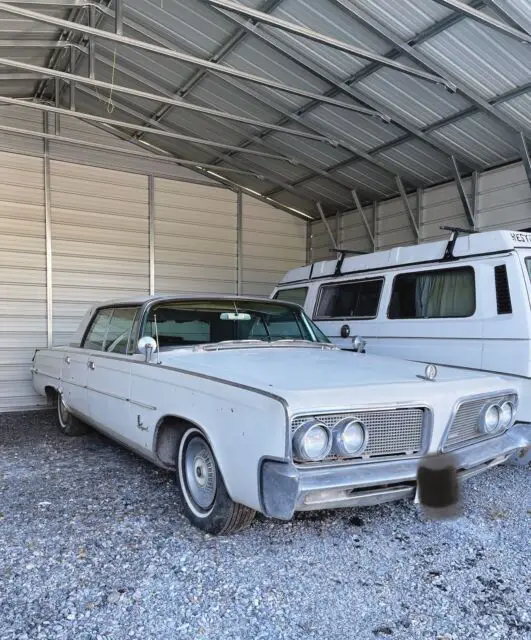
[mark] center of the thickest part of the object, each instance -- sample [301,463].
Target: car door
[109,373]
[74,372]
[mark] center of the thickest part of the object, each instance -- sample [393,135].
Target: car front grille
[465,425]
[391,432]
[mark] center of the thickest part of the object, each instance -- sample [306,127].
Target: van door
[433,315]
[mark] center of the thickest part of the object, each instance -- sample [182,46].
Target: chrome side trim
[123,398]
[43,373]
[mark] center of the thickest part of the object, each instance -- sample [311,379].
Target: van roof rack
[455,233]
[343,254]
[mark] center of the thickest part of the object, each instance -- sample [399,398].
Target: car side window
[358,299]
[120,328]
[97,332]
[111,330]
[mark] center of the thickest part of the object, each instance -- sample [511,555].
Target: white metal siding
[100,240]
[195,238]
[503,202]
[504,199]
[22,276]
[272,243]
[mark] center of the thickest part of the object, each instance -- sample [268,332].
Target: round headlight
[311,442]
[350,437]
[507,411]
[490,419]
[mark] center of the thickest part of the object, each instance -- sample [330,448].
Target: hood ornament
[430,373]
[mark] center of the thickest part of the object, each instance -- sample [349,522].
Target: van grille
[391,432]
[465,426]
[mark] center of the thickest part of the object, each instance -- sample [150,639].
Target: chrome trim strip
[42,373]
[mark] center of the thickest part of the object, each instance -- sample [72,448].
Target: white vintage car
[257,411]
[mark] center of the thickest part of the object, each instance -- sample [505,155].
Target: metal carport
[149,146]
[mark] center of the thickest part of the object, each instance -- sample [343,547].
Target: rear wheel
[206,501]
[67,422]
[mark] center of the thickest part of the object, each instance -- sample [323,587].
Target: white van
[464,303]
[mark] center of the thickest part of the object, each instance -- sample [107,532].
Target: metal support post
[57,90]
[469,212]
[151,223]
[420,210]
[72,68]
[48,233]
[525,157]
[327,226]
[363,218]
[118,17]
[239,242]
[409,212]
[92,44]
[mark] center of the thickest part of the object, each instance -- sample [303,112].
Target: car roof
[141,300]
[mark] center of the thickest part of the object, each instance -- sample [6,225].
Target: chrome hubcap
[200,472]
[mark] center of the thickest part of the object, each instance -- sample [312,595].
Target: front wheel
[67,422]
[206,501]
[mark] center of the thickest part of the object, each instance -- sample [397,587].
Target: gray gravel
[94,546]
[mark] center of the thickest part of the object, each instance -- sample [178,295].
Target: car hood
[326,375]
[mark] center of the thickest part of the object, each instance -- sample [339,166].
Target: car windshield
[195,322]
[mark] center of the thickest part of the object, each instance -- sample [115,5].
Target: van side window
[296,295]
[358,299]
[503,294]
[445,293]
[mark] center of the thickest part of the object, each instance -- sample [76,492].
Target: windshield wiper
[303,343]
[213,346]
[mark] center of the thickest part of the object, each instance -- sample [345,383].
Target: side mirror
[358,344]
[147,345]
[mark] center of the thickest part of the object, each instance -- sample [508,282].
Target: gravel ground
[93,546]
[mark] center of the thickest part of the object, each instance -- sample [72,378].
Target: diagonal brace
[409,211]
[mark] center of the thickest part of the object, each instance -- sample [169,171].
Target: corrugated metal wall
[503,202]
[22,275]
[273,243]
[100,240]
[195,238]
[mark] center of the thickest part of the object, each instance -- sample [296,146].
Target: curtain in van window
[445,294]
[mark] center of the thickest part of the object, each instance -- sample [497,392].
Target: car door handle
[67,359]
[91,365]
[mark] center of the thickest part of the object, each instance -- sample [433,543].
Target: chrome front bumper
[286,488]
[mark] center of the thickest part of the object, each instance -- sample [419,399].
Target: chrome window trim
[426,437]
[460,402]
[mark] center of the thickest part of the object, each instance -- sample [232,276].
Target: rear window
[359,299]
[296,295]
[445,293]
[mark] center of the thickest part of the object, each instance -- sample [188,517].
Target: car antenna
[335,249]
[456,231]
[157,337]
